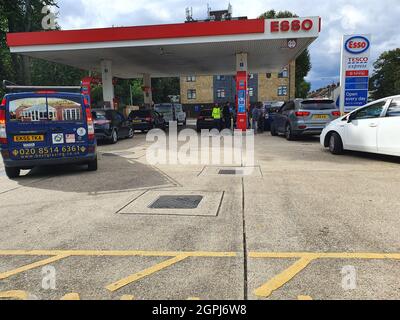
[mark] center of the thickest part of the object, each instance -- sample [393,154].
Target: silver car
[304,117]
[171,112]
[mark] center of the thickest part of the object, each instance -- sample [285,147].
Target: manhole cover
[231,172]
[110,155]
[117,154]
[177,202]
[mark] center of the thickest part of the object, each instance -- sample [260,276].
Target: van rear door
[45,126]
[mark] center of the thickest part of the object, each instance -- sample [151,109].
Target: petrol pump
[86,88]
[242,98]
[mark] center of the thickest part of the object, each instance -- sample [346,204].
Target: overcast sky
[380,18]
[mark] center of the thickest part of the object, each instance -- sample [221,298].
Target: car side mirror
[350,118]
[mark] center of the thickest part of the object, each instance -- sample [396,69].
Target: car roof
[30,93]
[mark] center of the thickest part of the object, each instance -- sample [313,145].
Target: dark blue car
[46,128]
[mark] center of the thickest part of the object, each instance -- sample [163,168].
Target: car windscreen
[163,108]
[140,114]
[318,105]
[35,109]
[99,115]
[206,113]
[178,108]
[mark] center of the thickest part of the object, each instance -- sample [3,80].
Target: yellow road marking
[193,299]
[14,294]
[304,298]
[34,265]
[127,297]
[323,255]
[117,253]
[278,281]
[71,296]
[139,275]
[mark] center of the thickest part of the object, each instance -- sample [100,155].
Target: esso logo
[357,45]
[294,25]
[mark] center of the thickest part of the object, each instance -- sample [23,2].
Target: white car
[373,128]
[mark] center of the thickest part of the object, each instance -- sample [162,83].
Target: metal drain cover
[177,202]
[231,172]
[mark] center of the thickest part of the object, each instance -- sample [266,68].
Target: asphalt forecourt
[289,228]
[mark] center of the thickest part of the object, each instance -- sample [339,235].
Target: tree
[303,62]
[163,87]
[385,80]
[26,16]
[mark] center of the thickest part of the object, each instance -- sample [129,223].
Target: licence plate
[320,116]
[29,138]
[137,121]
[209,119]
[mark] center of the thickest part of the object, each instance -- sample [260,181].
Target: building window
[220,78]
[282,91]
[71,114]
[284,73]
[221,93]
[191,94]
[191,79]
[269,75]
[251,92]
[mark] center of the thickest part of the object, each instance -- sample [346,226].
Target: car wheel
[92,165]
[274,133]
[12,172]
[288,132]
[335,144]
[114,137]
[131,133]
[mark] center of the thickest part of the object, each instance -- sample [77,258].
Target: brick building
[198,92]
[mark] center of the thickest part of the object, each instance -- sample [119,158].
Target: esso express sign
[293,25]
[357,45]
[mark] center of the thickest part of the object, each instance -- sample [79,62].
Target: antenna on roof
[189,14]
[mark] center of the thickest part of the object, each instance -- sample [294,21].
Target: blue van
[46,127]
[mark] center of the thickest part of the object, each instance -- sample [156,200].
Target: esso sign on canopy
[293,25]
[357,45]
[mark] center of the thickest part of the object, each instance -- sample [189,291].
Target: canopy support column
[147,91]
[108,86]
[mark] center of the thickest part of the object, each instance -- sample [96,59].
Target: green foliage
[163,87]
[385,80]
[303,62]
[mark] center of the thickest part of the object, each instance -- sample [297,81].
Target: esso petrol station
[233,47]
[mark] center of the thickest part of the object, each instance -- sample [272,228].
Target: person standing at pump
[255,115]
[261,117]
[226,112]
[216,114]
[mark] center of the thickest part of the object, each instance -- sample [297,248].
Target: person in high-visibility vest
[217,115]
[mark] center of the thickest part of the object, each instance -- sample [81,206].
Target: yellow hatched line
[147,272]
[278,281]
[30,266]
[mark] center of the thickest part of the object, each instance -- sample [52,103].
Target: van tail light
[3,133]
[336,113]
[148,119]
[45,92]
[302,113]
[90,124]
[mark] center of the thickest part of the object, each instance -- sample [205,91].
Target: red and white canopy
[174,49]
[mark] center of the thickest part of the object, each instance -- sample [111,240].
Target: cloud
[338,16]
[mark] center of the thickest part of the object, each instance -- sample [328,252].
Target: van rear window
[33,109]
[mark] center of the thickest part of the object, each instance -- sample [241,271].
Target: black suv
[110,125]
